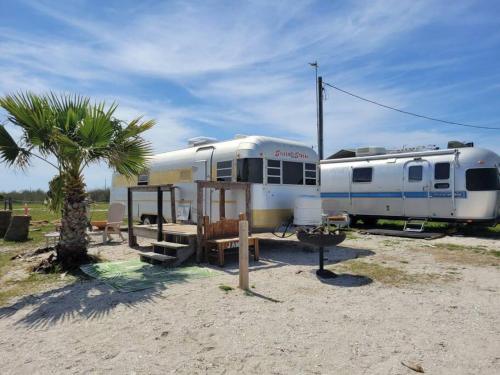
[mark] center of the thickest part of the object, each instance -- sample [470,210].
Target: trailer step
[155,258]
[181,252]
[414,225]
[168,245]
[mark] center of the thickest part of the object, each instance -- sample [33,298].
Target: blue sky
[241,67]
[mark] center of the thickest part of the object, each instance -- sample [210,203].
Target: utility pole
[320,117]
[315,66]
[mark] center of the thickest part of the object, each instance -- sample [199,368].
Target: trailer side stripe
[395,194]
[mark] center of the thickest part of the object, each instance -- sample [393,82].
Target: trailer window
[250,170]
[482,179]
[415,173]
[224,170]
[273,171]
[310,174]
[442,171]
[362,174]
[293,173]
[143,178]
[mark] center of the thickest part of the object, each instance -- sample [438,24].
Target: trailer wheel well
[150,219]
[368,221]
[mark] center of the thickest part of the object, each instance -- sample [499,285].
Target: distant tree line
[99,195]
[39,195]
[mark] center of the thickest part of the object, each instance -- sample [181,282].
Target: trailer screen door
[203,171]
[416,183]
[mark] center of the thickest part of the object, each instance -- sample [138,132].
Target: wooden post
[222,204]
[199,222]
[159,217]
[131,238]
[172,204]
[243,254]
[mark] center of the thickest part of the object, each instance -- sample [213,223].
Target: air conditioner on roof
[370,151]
[199,141]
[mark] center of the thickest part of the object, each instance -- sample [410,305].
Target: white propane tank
[307,210]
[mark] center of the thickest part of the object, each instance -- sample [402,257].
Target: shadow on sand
[85,299]
[347,280]
[275,254]
[448,229]
[88,299]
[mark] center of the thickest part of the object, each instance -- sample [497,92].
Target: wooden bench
[223,235]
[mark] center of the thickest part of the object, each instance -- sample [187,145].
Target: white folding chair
[116,213]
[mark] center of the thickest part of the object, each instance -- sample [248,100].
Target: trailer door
[203,172]
[416,186]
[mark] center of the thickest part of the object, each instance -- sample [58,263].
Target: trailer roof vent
[342,154]
[458,144]
[240,136]
[199,141]
[370,151]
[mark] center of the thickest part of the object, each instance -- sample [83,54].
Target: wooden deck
[150,231]
[189,230]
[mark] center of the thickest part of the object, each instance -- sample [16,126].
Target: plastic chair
[116,213]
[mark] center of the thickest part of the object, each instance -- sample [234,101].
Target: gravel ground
[439,309]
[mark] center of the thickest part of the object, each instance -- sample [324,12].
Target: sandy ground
[293,323]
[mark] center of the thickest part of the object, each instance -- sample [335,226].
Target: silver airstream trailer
[280,170]
[454,185]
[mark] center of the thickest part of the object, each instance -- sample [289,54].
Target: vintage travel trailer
[280,170]
[455,184]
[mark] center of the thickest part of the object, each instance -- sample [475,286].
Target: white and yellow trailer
[280,171]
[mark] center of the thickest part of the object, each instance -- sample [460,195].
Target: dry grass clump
[226,288]
[465,255]
[18,280]
[390,275]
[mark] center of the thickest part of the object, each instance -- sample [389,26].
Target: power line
[409,113]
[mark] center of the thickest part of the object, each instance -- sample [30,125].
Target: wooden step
[169,245]
[156,258]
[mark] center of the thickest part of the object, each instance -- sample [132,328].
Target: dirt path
[395,300]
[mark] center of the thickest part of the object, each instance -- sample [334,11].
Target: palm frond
[75,131]
[55,194]
[131,160]
[136,127]
[129,155]
[10,152]
[96,130]
[31,113]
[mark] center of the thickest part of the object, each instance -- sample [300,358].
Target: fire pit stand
[320,238]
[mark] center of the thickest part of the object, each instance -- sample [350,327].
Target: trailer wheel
[149,219]
[369,221]
[354,220]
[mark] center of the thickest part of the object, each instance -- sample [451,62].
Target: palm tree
[69,133]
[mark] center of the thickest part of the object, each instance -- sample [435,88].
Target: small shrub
[226,288]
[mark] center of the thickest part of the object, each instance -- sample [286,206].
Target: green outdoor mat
[132,275]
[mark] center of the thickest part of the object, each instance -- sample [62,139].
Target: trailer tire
[354,220]
[369,221]
[148,219]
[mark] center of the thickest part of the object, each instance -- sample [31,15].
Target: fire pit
[320,237]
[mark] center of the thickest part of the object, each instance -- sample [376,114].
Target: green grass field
[42,222]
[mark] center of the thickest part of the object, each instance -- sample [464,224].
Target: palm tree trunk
[72,247]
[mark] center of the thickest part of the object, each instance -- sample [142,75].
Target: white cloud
[241,67]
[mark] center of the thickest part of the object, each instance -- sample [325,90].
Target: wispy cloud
[220,68]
